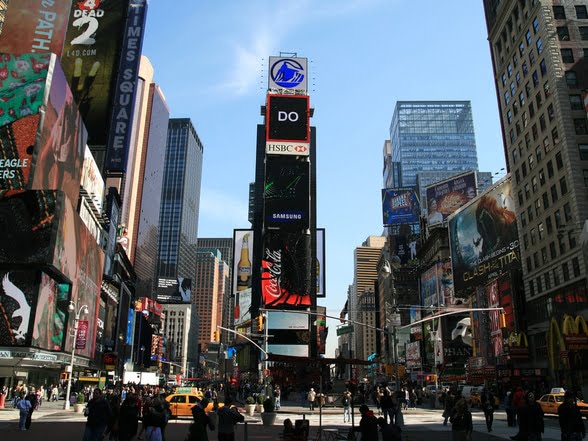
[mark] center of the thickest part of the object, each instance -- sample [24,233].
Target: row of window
[552,278]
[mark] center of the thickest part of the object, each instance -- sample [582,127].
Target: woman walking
[461,422]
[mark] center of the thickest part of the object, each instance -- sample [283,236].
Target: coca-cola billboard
[285,264]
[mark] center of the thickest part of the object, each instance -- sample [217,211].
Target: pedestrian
[24,407]
[518,402]
[448,404]
[128,418]
[155,421]
[346,401]
[570,419]
[511,419]
[198,429]
[310,397]
[277,395]
[98,413]
[33,398]
[368,425]
[487,401]
[387,405]
[228,417]
[54,393]
[536,416]
[461,422]
[390,432]
[524,417]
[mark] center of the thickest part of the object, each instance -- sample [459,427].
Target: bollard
[245,434]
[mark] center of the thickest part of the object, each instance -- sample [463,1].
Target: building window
[545,198]
[549,225]
[576,102]
[506,98]
[539,45]
[555,135]
[549,169]
[572,239]
[513,89]
[535,77]
[503,80]
[522,49]
[553,194]
[550,112]
[527,193]
[531,109]
[524,169]
[529,265]
[562,245]
[526,241]
[530,214]
[544,255]
[571,78]
[532,57]
[515,156]
[567,55]
[534,184]
[523,219]
[585,175]
[509,70]
[517,176]
[536,25]
[518,78]
[567,212]
[583,148]
[542,122]
[559,161]
[566,271]
[581,12]
[541,178]
[512,136]
[535,132]
[547,279]
[525,69]
[521,200]
[559,13]
[543,68]
[555,278]
[563,34]
[580,126]
[557,217]
[531,162]
[522,99]
[576,267]
[585,52]
[538,154]
[536,260]
[539,287]
[552,250]
[531,289]
[583,32]
[537,212]
[546,89]
[539,100]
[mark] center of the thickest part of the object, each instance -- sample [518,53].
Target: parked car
[182,404]
[551,402]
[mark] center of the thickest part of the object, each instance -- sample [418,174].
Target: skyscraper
[430,136]
[539,51]
[180,201]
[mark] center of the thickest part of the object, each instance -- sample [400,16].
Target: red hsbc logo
[287,148]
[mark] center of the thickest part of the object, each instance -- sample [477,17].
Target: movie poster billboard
[405,246]
[59,155]
[31,218]
[90,59]
[51,315]
[286,195]
[320,263]
[174,290]
[457,339]
[430,286]
[18,297]
[483,238]
[400,206]
[413,355]
[91,181]
[35,26]
[415,316]
[445,197]
[81,260]
[494,322]
[286,263]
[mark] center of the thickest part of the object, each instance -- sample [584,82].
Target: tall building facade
[539,51]
[180,201]
[206,294]
[179,321]
[434,136]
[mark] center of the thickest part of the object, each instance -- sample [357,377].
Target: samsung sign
[288,73]
[287,148]
[288,118]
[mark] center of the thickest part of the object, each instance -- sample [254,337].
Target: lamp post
[82,310]
[388,273]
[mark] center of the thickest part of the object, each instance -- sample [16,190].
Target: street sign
[345,330]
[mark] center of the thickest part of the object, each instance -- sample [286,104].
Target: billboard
[242,247]
[288,73]
[31,218]
[287,194]
[320,268]
[288,125]
[430,286]
[92,182]
[51,315]
[285,269]
[483,238]
[457,340]
[400,206]
[174,290]
[413,355]
[91,57]
[34,26]
[126,88]
[18,297]
[445,197]
[405,247]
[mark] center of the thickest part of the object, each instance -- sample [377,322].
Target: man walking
[24,407]
[346,406]
[228,416]
[98,412]
[487,401]
[311,397]
[570,419]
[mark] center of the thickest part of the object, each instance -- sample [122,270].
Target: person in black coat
[536,423]
[570,419]
[368,425]
[487,401]
[128,418]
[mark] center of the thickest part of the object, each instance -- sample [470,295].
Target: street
[52,423]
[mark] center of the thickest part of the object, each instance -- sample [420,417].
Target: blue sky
[210,59]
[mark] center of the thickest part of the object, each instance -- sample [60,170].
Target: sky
[210,59]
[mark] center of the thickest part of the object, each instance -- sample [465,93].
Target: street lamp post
[82,310]
[388,273]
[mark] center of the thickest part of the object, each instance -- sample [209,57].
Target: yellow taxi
[475,400]
[551,402]
[181,404]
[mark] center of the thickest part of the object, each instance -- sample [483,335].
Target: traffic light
[217,336]
[502,317]
[260,323]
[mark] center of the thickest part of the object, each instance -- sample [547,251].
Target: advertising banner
[483,238]
[18,299]
[92,182]
[400,206]
[445,197]
[417,330]
[287,320]
[285,269]
[288,119]
[59,155]
[457,339]
[174,291]
[413,355]
[320,269]
[126,88]
[405,247]
[31,217]
[288,73]
[430,286]
[34,26]
[287,194]
[51,315]
[242,255]
[82,335]
[448,297]
[90,59]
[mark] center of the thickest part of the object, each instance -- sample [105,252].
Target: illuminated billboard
[457,341]
[242,257]
[430,286]
[285,272]
[50,324]
[286,194]
[92,182]
[483,238]
[400,206]
[288,73]
[35,26]
[445,197]
[288,122]
[90,59]
[174,290]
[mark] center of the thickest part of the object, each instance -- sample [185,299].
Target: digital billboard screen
[288,118]
[400,206]
[174,290]
[286,195]
[50,322]
[483,238]
[90,59]
[444,198]
[285,272]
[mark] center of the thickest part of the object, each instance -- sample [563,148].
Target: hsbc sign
[287,148]
[288,118]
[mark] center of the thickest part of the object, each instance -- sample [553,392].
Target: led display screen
[445,197]
[288,118]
